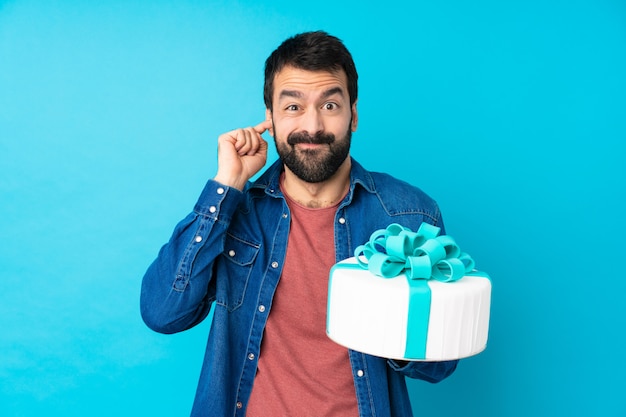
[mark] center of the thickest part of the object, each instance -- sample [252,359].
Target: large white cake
[407,319]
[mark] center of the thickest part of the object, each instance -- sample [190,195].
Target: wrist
[230,181]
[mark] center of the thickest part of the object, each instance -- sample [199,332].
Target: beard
[314,165]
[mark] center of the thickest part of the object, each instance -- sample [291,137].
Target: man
[260,252]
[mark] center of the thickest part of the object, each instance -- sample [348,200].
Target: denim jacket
[229,253]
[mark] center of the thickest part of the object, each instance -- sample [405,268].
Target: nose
[312,122]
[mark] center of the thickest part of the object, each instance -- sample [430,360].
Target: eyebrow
[332,91]
[298,94]
[290,93]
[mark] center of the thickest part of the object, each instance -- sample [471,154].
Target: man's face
[312,121]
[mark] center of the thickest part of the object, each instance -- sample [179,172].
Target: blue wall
[512,114]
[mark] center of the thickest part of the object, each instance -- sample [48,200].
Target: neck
[321,194]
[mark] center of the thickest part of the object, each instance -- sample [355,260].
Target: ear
[268,116]
[355,117]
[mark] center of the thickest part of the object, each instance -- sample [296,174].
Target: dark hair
[310,51]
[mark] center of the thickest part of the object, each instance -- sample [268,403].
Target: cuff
[218,200]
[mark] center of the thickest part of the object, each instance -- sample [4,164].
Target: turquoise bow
[420,255]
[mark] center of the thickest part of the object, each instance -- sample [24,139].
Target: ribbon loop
[420,255]
[419,267]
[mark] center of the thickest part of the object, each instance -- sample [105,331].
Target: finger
[263,126]
[236,139]
[229,142]
[253,139]
[246,141]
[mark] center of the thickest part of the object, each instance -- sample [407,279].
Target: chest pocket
[234,271]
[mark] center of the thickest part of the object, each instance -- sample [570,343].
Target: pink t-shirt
[301,372]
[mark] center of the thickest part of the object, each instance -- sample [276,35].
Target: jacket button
[262,308]
[239,404]
[220,190]
[274,264]
[360,373]
[212,209]
[251,356]
[342,220]
[198,239]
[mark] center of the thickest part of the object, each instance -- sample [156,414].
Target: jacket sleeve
[427,371]
[177,290]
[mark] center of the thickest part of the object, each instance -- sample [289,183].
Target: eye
[292,107]
[330,106]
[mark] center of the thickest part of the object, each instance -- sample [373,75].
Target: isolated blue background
[512,114]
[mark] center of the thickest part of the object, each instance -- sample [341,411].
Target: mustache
[319,138]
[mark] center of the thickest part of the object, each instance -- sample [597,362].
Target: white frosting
[369,314]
